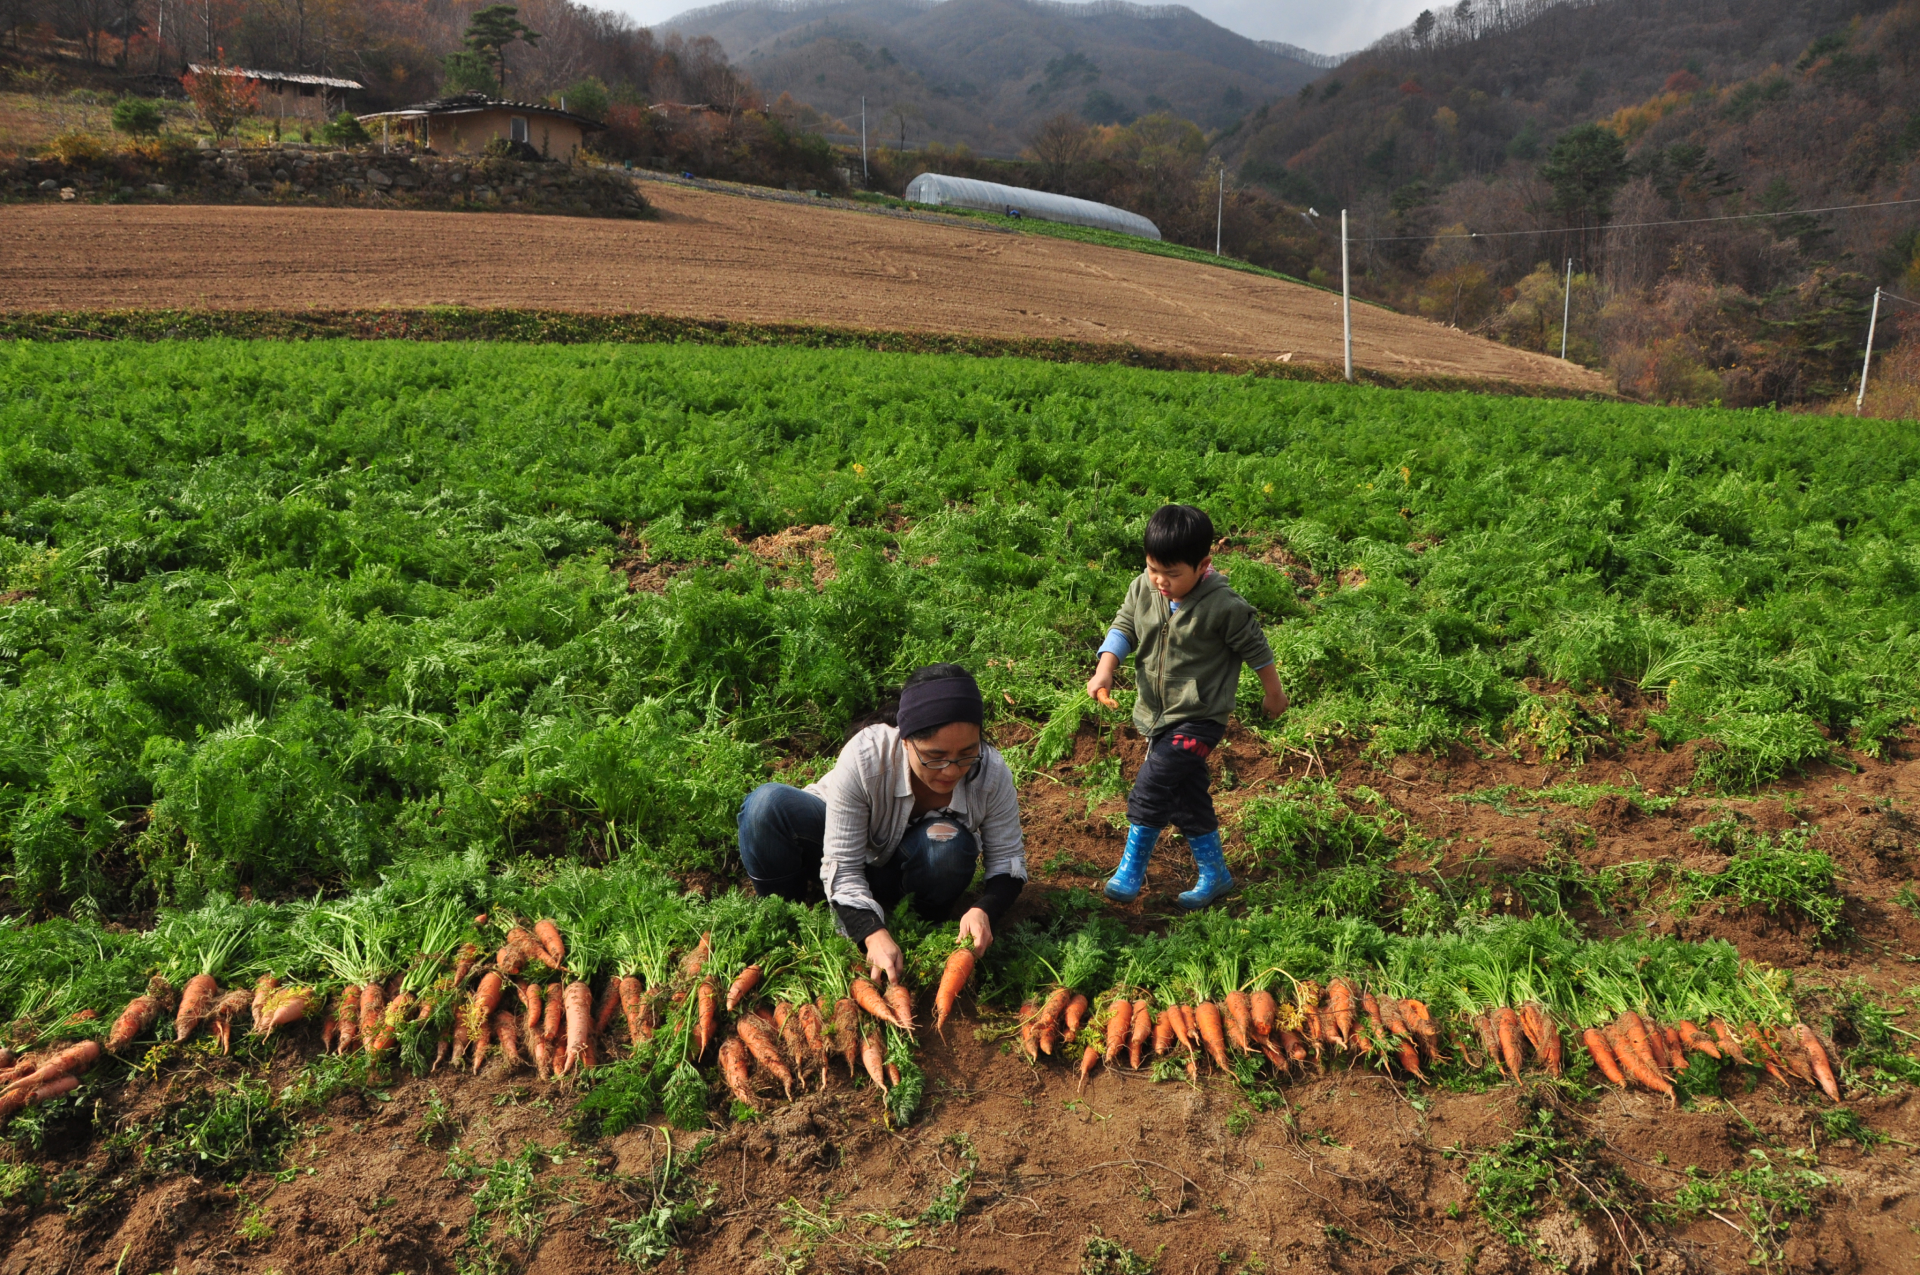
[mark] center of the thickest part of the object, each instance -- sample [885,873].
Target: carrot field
[374,717]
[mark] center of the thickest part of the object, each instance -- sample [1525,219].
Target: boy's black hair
[1179,533]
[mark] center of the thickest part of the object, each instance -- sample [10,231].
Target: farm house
[466,122]
[295,95]
[965,192]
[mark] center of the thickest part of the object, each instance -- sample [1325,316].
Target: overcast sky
[1312,24]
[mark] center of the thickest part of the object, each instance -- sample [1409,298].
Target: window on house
[518,128]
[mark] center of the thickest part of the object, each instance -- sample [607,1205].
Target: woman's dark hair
[1179,533]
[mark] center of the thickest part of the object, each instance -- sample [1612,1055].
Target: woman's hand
[885,957]
[975,925]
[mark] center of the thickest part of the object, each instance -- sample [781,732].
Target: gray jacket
[869,800]
[1188,666]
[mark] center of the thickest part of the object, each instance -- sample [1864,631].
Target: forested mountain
[986,72]
[1578,120]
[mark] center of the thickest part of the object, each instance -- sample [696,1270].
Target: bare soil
[1351,1173]
[716,256]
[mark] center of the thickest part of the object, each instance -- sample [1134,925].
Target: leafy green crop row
[279,615]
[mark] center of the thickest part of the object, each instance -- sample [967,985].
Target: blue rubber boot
[1127,879]
[1215,880]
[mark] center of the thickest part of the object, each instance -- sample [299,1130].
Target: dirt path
[713,256]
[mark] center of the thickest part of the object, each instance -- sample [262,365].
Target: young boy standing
[1192,634]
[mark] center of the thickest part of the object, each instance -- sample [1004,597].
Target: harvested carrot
[1370,1007]
[1602,1054]
[1633,1030]
[1276,1054]
[1105,699]
[532,1002]
[733,1067]
[577,1005]
[795,1042]
[1088,1058]
[1264,1011]
[548,933]
[373,1003]
[1163,1033]
[1817,1056]
[813,1032]
[487,996]
[542,1053]
[457,1047]
[463,964]
[1728,1041]
[141,1013]
[1290,1044]
[261,989]
[900,1001]
[873,1055]
[1076,1016]
[347,1014]
[869,999]
[1657,1045]
[1635,1062]
[765,1048]
[73,1061]
[196,1002]
[1420,1021]
[511,961]
[953,978]
[1239,1018]
[506,1029]
[743,986]
[1408,1055]
[846,1033]
[1119,1025]
[1530,1024]
[631,995]
[696,960]
[1052,1012]
[1140,1032]
[603,1009]
[707,1017]
[1030,1030]
[1506,1031]
[1696,1040]
[1554,1055]
[1340,1003]
[224,1013]
[1313,1030]
[1213,1032]
[1676,1052]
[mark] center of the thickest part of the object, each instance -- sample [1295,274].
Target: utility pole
[1346,296]
[863,141]
[1860,399]
[1220,212]
[1566,311]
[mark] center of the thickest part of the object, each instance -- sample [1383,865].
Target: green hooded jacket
[1187,665]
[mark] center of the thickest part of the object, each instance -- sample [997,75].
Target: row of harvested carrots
[559,1028]
[1401,1033]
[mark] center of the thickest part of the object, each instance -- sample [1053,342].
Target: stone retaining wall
[296,174]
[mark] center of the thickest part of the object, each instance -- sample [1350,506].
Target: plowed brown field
[714,256]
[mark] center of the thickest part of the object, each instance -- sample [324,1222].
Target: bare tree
[1061,143]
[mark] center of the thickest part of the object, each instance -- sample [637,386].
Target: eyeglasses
[946,763]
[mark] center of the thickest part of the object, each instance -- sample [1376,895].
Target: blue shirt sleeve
[1116,644]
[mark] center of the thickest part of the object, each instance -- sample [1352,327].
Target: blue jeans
[783,830]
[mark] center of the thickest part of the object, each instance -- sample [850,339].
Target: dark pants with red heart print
[1171,787]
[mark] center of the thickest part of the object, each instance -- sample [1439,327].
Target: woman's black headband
[930,705]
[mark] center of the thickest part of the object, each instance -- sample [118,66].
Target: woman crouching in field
[909,808]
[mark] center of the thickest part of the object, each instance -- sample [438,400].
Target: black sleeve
[860,923]
[997,895]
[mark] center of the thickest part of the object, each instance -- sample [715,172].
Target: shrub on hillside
[344,130]
[137,116]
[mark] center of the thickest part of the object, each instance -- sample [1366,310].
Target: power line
[1902,300]
[1646,225]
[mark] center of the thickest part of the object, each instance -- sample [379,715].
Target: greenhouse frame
[964,192]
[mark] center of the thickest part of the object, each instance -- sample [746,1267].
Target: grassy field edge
[561,327]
